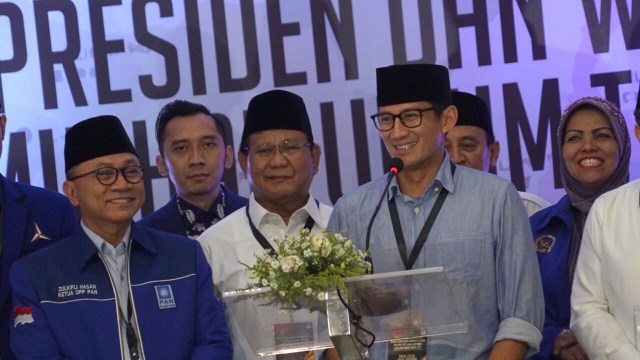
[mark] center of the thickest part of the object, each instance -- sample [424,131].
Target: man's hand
[566,347]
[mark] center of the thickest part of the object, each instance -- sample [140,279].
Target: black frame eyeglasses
[410,118]
[108,175]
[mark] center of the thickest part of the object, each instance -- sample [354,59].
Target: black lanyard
[132,339]
[263,241]
[130,332]
[424,233]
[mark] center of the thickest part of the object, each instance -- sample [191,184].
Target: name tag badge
[292,333]
[165,297]
[415,348]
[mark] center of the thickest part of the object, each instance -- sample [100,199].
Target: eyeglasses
[287,148]
[109,175]
[410,118]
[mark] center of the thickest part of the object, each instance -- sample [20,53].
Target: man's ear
[242,160]
[494,153]
[228,157]
[636,130]
[70,190]
[315,156]
[3,125]
[162,167]
[449,118]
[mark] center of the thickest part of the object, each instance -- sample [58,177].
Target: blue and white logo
[165,297]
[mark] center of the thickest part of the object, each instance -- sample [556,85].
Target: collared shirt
[230,243]
[605,296]
[116,260]
[481,238]
[196,220]
[533,203]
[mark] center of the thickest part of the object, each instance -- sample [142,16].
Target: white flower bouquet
[304,265]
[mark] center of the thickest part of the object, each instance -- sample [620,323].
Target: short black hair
[183,108]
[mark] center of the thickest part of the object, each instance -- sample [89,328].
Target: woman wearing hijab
[595,151]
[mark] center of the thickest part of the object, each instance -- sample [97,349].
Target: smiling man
[479,234]
[114,290]
[279,159]
[194,153]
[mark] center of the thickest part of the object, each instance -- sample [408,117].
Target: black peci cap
[473,111]
[95,137]
[398,84]
[276,109]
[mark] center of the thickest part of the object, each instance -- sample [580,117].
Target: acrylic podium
[392,306]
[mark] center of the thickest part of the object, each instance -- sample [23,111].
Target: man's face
[280,178]
[417,147]
[467,146]
[195,156]
[104,206]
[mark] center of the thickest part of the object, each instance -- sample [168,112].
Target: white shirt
[230,242]
[606,287]
[532,202]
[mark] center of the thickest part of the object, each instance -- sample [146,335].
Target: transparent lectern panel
[405,304]
[268,330]
[394,305]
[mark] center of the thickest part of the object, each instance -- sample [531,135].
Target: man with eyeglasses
[472,143]
[114,290]
[30,219]
[279,159]
[471,223]
[194,154]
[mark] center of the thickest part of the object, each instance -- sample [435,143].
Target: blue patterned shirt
[481,238]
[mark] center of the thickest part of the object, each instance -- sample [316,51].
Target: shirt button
[416,210]
[436,189]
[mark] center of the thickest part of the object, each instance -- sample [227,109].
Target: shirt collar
[560,210]
[101,243]
[444,178]
[213,211]
[257,212]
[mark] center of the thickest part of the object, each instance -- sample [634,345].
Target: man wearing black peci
[114,290]
[480,234]
[279,158]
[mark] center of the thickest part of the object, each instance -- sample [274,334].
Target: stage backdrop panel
[62,61]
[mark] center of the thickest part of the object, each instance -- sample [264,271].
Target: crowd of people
[531,279]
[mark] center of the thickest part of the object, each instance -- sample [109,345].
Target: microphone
[395,166]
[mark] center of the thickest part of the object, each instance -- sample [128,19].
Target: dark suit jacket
[32,218]
[168,218]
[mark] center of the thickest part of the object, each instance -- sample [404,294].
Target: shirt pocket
[460,254]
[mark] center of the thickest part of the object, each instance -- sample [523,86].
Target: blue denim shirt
[481,238]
